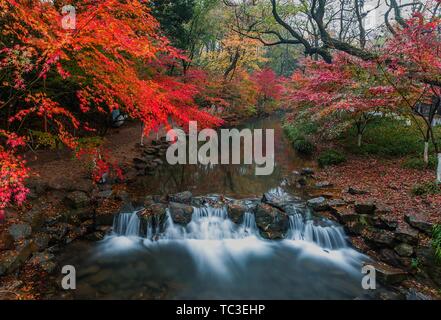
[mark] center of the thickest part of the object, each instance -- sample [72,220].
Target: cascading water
[328,237]
[212,223]
[127,224]
[208,223]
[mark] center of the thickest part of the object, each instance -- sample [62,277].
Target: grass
[436,241]
[419,164]
[387,138]
[427,188]
[331,157]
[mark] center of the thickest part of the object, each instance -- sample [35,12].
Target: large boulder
[180,213]
[272,222]
[77,200]
[420,222]
[236,211]
[405,233]
[20,231]
[404,250]
[182,197]
[378,238]
[279,200]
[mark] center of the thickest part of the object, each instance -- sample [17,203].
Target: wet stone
[318,204]
[419,222]
[181,213]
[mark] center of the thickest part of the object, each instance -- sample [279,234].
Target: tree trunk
[426,153]
[359,139]
[438,171]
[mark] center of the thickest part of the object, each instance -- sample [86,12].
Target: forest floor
[385,182]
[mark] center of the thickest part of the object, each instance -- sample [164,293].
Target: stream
[214,258]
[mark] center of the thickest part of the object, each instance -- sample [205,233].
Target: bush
[418,163]
[436,241]
[300,129]
[304,146]
[387,137]
[330,158]
[427,188]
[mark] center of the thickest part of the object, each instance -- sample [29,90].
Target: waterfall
[208,223]
[127,224]
[212,223]
[328,237]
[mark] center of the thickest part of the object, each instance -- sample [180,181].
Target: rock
[272,222]
[44,261]
[345,214]
[323,184]
[378,238]
[77,200]
[20,231]
[35,217]
[182,197]
[354,228]
[418,221]
[14,259]
[41,240]
[302,181]
[95,236]
[77,216]
[236,211]
[181,213]
[104,220]
[387,223]
[412,294]
[153,217]
[62,184]
[58,231]
[137,161]
[428,263]
[278,200]
[122,195]
[354,191]
[105,194]
[365,207]
[6,241]
[406,234]
[390,257]
[388,275]
[404,250]
[318,204]
[336,203]
[307,172]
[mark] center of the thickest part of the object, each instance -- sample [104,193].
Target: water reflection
[232,180]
